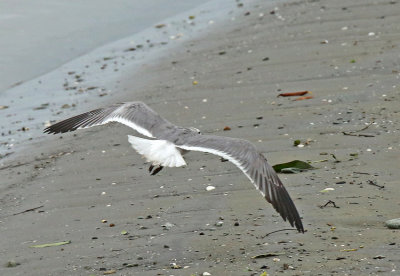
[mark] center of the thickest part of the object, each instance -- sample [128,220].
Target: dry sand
[346,53]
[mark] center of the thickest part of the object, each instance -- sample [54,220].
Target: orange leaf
[303,98]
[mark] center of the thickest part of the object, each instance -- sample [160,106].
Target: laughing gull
[170,142]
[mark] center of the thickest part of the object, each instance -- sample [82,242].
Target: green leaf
[50,244]
[294,166]
[12,264]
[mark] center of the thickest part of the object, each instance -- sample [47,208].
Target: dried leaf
[303,98]
[290,94]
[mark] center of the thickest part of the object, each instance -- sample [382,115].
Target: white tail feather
[158,152]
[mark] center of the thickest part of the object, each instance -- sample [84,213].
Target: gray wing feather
[136,115]
[254,165]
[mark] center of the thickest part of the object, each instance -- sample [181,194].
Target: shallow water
[63,80]
[38,36]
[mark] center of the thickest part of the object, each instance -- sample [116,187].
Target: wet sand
[345,53]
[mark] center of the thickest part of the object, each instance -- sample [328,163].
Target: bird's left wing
[254,165]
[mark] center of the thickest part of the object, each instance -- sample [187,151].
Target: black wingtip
[299,225]
[276,194]
[294,217]
[48,130]
[52,130]
[284,205]
[61,127]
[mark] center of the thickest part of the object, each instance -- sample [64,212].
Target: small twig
[329,202]
[334,157]
[364,128]
[362,173]
[28,210]
[13,166]
[328,132]
[349,132]
[354,133]
[287,229]
[373,183]
[358,134]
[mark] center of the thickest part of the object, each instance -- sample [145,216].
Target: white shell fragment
[210,188]
[327,190]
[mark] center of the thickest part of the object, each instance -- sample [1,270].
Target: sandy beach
[91,189]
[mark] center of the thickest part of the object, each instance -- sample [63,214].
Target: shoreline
[169,224]
[89,80]
[73,29]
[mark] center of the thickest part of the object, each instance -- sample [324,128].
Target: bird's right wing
[136,115]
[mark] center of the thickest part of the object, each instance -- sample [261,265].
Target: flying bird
[169,142]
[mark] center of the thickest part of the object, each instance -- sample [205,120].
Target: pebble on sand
[167,225]
[393,223]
